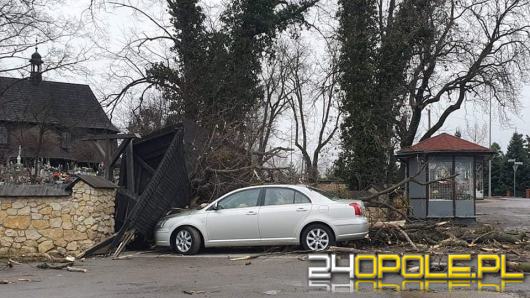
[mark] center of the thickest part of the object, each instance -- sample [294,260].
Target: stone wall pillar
[64,225]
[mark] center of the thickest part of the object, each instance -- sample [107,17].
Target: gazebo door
[440,199]
[464,186]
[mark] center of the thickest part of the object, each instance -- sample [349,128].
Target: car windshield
[327,194]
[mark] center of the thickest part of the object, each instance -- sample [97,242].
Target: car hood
[182,213]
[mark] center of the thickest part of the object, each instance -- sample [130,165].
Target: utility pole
[516,164]
[429,117]
[489,161]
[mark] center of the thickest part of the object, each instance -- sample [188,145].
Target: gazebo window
[440,167]
[479,176]
[3,135]
[464,178]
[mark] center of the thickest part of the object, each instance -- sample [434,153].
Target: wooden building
[49,120]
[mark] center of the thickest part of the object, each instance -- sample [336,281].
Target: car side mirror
[203,205]
[215,207]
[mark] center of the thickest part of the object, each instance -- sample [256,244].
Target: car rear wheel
[187,241]
[317,237]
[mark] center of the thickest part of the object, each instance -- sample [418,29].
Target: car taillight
[357,209]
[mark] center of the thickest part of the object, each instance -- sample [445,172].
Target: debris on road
[193,292]
[345,249]
[524,266]
[244,258]
[59,266]
[76,269]
[439,238]
[271,292]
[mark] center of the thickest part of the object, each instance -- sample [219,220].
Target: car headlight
[161,223]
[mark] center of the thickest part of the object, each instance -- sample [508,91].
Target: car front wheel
[187,241]
[317,237]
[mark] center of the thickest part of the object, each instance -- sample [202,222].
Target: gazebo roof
[444,143]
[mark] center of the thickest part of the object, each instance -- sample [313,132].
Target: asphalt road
[213,274]
[508,213]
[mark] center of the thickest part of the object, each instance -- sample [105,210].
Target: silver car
[265,215]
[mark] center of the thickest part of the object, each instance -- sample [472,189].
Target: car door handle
[301,210]
[251,213]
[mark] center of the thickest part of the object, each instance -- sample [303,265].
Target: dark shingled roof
[94,181]
[15,190]
[65,104]
[444,143]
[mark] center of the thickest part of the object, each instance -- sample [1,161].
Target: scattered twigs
[397,226]
[473,243]
[344,249]
[76,269]
[519,266]
[268,254]
[406,237]
[12,262]
[59,266]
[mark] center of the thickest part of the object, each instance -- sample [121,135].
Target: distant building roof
[444,143]
[65,104]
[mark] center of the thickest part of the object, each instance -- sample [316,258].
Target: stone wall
[64,225]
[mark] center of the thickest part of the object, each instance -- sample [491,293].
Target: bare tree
[312,91]
[152,115]
[275,102]
[476,131]
[461,51]
[25,24]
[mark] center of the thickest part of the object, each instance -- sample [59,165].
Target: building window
[3,135]
[66,139]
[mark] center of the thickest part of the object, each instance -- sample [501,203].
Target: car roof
[294,186]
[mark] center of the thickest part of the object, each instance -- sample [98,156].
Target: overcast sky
[116,26]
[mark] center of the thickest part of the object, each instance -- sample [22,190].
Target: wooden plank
[112,137]
[103,245]
[130,168]
[118,152]
[100,149]
[108,163]
[144,165]
[128,237]
[124,192]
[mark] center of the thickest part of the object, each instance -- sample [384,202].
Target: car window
[300,198]
[278,196]
[241,199]
[324,193]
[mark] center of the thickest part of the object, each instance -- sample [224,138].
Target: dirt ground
[213,274]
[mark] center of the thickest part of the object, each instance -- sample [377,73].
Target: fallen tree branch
[405,181]
[245,169]
[523,266]
[397,226]
[76,269]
